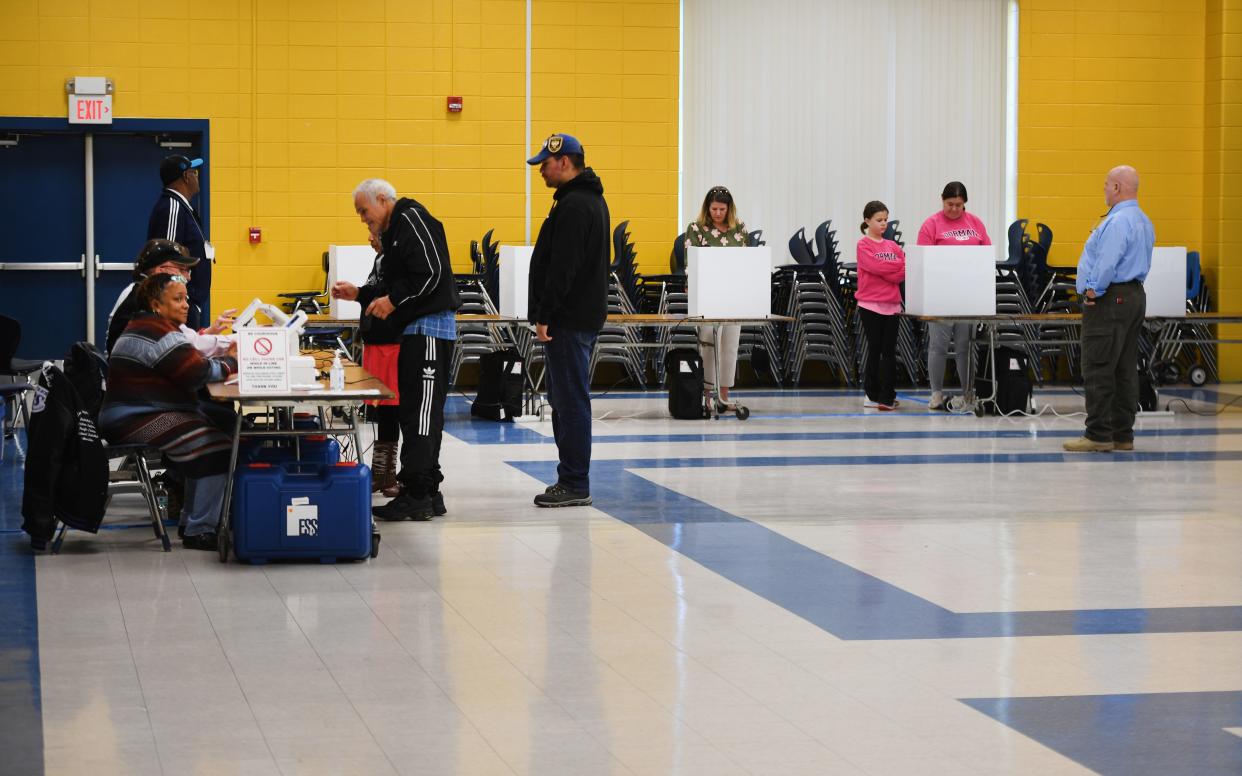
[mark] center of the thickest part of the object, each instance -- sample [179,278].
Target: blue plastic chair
[1194,276]
[1017,245]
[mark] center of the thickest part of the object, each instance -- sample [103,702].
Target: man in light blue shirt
[1111,271]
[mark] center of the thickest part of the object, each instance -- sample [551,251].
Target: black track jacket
[569,267]
[414,272]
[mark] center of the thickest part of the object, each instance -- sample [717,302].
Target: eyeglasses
[719,190]
[178,279]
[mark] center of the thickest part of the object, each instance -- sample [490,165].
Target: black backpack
[683,374]
[1013,385]
[502,375]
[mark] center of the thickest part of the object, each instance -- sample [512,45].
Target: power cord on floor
[1186,404]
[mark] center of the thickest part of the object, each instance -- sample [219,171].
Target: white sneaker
[868,404]
[937,401]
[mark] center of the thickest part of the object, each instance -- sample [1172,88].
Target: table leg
[352,417]
[223,537]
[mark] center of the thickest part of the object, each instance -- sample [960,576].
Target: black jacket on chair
[66,467]
[569,267]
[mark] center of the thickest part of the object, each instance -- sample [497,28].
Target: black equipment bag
[1013,384]
[1148,396]
[761,363]
[502,374]
[683,374]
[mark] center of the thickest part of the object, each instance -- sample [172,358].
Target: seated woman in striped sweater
[154,375]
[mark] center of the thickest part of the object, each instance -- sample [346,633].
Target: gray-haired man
[415,291]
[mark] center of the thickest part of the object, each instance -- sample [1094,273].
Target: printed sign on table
[263,360]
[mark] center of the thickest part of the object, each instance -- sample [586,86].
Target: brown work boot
[383,466]
[1085,445]
[1126,446]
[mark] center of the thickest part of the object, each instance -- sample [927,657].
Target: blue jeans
[567,368]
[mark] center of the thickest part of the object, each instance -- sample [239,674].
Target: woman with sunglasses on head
[154,374]
[951,226]
[718,227]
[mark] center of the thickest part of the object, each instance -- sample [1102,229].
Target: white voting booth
[1165,285]
[729,282]
[514,274]
[351,263]
[951,280]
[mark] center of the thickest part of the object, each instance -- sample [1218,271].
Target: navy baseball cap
[173,167]
[556,145]
[158,251]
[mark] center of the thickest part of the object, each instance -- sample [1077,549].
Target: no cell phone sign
[263,360]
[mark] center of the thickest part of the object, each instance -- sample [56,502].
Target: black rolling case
[1013,384]
[501,375]
[683,374]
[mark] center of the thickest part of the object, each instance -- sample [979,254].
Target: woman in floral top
[718,227]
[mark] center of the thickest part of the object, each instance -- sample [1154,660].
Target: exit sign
[90,109]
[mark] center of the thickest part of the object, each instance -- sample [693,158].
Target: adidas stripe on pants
[422,380]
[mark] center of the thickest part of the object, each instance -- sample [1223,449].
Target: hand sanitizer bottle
[336,377]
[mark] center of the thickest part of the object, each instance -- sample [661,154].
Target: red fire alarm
[256,235]
[454,104]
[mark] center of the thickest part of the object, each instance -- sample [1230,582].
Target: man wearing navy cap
[568,303]
[173,218]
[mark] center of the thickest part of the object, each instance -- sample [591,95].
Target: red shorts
[381,361]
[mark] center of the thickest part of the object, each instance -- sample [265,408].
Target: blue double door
[43,219]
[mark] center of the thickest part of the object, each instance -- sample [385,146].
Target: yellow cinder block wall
[1144,83]
[606,73]
[1103,87]
[1222,185]
[308,97]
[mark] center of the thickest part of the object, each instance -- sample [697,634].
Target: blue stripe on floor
[848,603]
[459,424]
[21,732]
[1151,734]
[1210,395]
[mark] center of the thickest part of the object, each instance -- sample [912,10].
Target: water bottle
[161,499]
[336,377]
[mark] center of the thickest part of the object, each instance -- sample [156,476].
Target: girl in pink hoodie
[881,268]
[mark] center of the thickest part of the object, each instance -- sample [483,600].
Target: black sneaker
[560,496]
[437,504]
[405,507]
[204,541]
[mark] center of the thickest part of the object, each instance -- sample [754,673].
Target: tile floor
[817,590]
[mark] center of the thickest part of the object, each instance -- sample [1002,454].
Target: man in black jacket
[415,296]
[174,218]
[568,303]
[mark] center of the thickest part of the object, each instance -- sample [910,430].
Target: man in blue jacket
[173,218]
[567,300]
